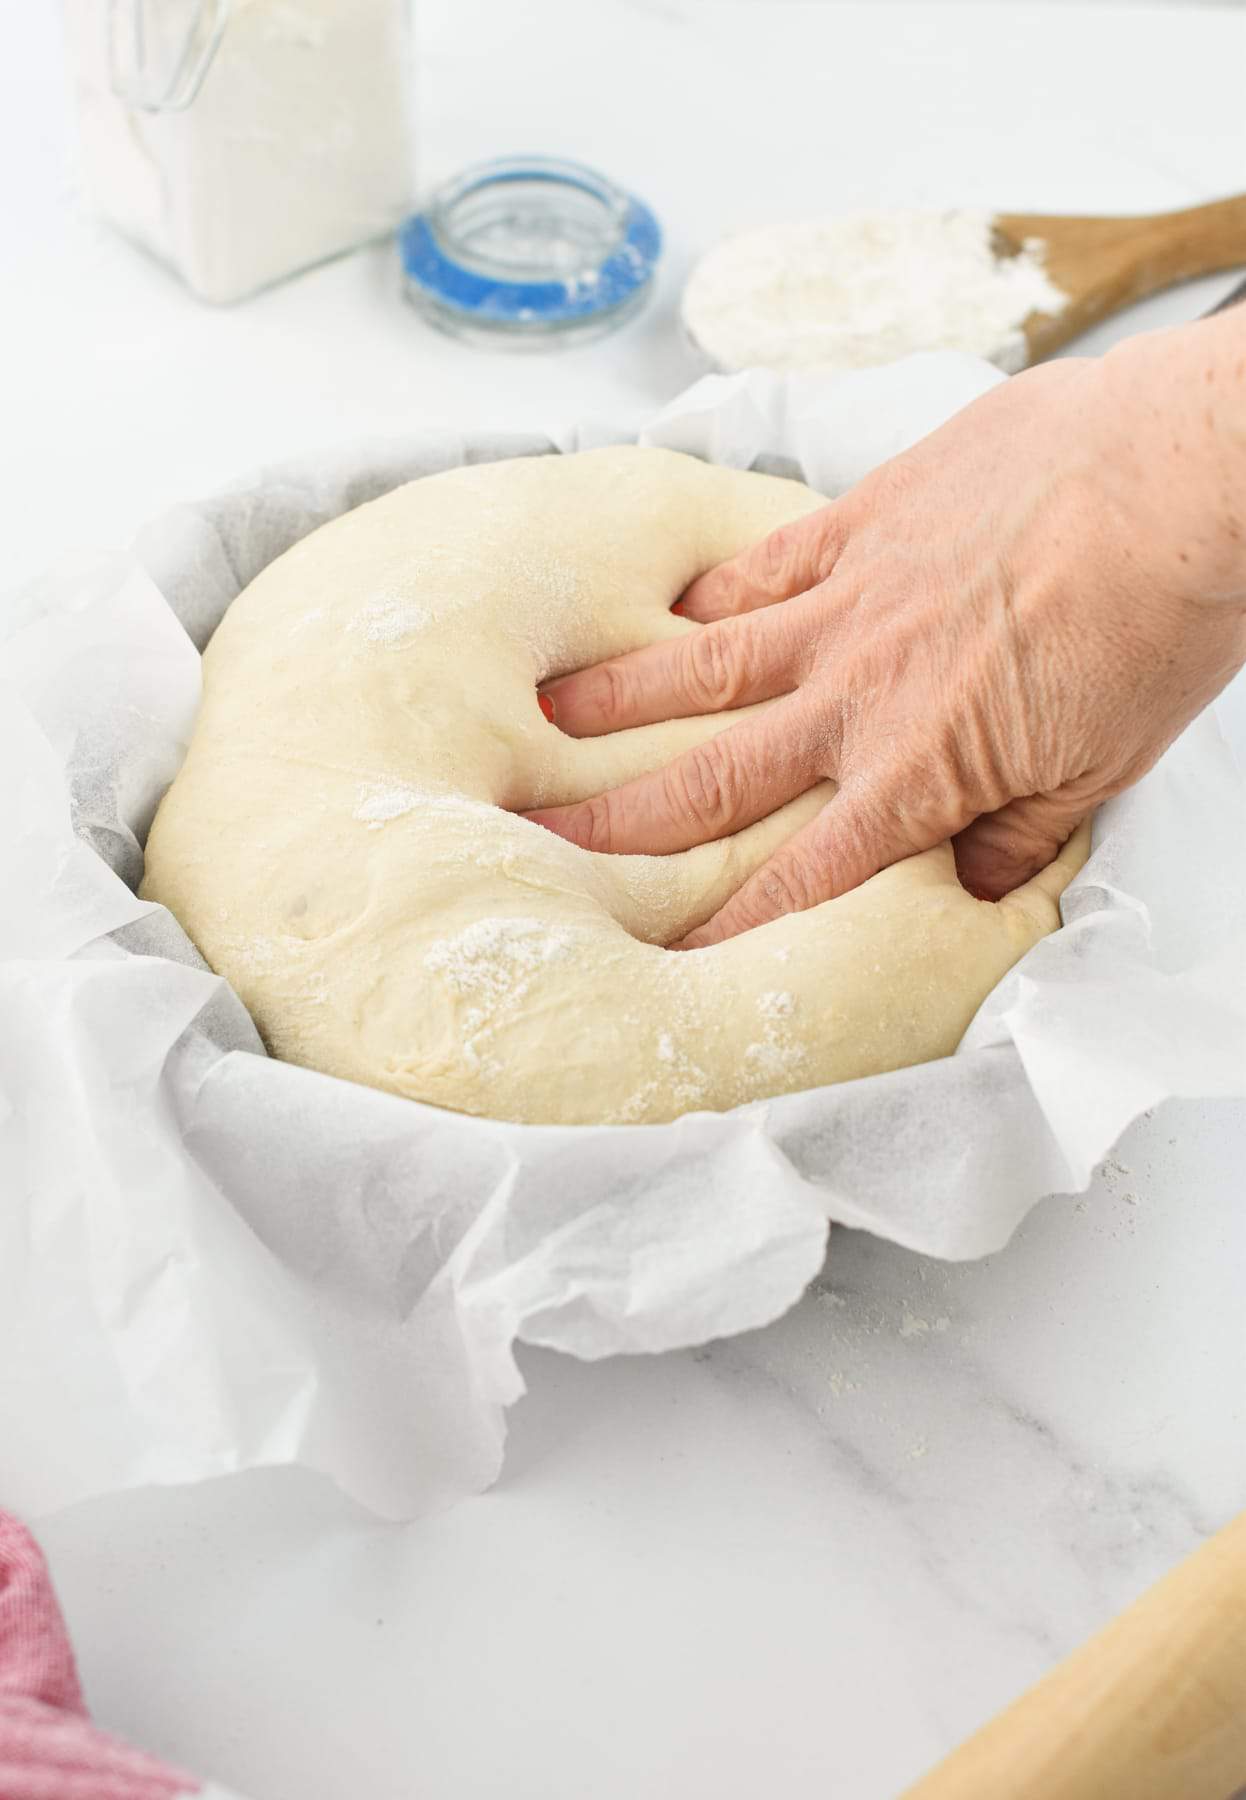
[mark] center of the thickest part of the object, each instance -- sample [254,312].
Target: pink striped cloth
[49,1749]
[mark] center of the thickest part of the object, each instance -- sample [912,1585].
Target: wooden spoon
[1104,264]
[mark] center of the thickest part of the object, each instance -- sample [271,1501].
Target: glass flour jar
[242,140]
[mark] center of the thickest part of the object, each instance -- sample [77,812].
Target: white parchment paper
[211,1260]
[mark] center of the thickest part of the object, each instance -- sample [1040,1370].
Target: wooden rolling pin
[1105,264]
[1153,1708]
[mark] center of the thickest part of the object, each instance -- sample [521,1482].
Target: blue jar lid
[529,250]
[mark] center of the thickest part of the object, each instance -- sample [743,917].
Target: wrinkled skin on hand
[981,641]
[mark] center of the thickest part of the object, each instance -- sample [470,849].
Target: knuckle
[787,885]
[704,786]
[713,674]
[824,537]
[797,554]
[715,592]
[1025,834]
[1025,839]
[594,823]
[924,797]
[613,690]
[990,860]
[775,556]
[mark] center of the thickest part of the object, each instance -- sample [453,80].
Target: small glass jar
[242,140]
[529,253]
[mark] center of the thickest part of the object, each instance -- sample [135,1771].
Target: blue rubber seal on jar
[503,282]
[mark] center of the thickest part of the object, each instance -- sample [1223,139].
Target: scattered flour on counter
[863,288]
[1114,1172]
[913,1325]
[828,1297]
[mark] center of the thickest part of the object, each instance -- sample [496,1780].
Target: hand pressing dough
[340,842]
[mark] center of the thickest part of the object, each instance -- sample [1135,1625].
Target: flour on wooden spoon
[863,288]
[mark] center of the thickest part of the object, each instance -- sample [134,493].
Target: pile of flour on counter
[863,288]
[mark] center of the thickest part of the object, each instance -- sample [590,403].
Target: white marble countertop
[807,1561]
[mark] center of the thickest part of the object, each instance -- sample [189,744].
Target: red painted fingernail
[547,706]
[678,608]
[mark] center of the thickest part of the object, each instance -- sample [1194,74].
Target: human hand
[981,641]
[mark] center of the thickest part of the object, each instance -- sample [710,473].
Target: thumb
[852,838]
[1001,850]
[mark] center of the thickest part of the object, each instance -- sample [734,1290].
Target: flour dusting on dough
[775,1006]
[493,963]
[379,802]
[778,1053]
[389,621]
[548,629]
[309,618]
[494,960]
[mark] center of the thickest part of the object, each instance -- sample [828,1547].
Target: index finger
[712,790]
[723,666]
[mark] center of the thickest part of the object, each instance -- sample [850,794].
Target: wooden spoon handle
[1202,240]
[1166,247]
[1103,264]
[1153,1708]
